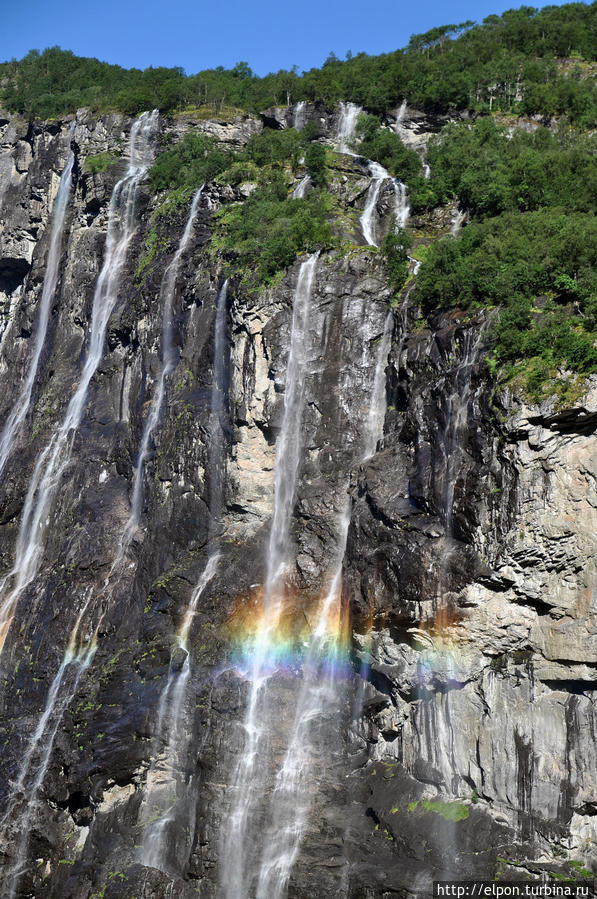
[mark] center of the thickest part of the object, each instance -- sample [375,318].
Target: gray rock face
[463,729]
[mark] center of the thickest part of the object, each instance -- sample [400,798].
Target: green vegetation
[198,158]
[395,249]
[507,62]
[100,162]
[450,811]
[492,171]
[531,248]
[385,147]
[541,267]
[268,231]
[264,234]
[531,197]
[192,161]
[580,868]
[315,161]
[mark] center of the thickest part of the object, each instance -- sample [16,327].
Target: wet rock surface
[464,734]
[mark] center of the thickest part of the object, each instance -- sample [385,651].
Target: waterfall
[36,760]
[20,408]
[167,289]
[237,840]
[288,452]
[52,462]
[161,812]
[296,781]
[426,171]
[299,118]
[218,409]
[318,696]
[377,407]
[301,189]
[347,122]
[400,118]
[367,220]
[162,808]
[434,714]
[457,420]
[402,209]
[456,222]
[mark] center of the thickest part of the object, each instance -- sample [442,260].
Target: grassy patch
[450,811]
[100,162]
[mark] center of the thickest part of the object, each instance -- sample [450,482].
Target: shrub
[512,260]
[395,250]
[385,147]
[99,162]
[267,232]
[315,163]
[192,161]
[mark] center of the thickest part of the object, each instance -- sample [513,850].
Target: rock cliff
[461,742]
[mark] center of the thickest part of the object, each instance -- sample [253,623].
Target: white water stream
[318,698]
[167,789]
[401,207]
[456,223]
[300,116]
[369,217]
[22,803]
[20,408]
[53,461]
[237,839]
[400,118]
[167,804]
[457,416]
[301,189]
[167,289]
[349,113]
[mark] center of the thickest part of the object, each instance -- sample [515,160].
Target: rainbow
[282,633]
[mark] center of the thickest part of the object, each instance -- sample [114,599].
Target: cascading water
[375,428]
[167,288]
[400,118]
[20,408]
[434,713]
[300,115]
[437,657]
[369,216]
[319,696]
[402,209]
[457,420]
[23,799]
[168,792]
[456,223]
[349,112]
[237,840]
[317,702]
[301,189]
[218,425]
[288,452]
[377,407]
[53,460]
[426,171]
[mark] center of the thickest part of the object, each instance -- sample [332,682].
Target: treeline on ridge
[508,62]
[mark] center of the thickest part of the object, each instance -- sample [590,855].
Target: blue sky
[199,34]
